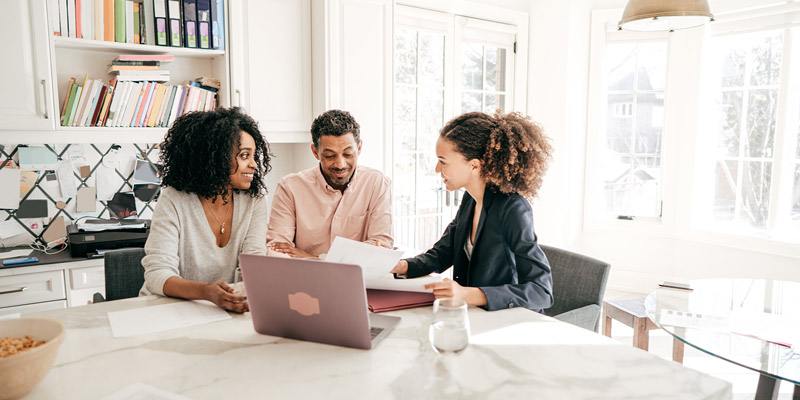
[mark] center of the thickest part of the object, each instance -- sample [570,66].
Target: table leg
[796,394]
[677,350]
[606,323]
[767,388]
[641,338]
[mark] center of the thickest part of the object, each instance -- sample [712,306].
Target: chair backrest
[124,273]
[578,280]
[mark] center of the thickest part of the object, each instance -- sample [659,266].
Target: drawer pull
[22,289]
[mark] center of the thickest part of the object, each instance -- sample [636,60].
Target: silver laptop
[311,300]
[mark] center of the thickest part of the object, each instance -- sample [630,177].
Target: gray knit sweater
[181,242]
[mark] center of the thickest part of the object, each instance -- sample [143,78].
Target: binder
[174,15]
[149,18]
[129,28]
[204,24]
[217,24]
[160,15]
[119,21]
[190,23]
[388,300]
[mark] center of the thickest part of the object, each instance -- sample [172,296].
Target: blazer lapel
[488,196]
[460,262]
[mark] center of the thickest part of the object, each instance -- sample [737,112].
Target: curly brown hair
[513,150]
[335,123]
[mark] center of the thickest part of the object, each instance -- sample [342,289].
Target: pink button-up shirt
[310,213]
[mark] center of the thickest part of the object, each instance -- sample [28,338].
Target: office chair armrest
[586,317]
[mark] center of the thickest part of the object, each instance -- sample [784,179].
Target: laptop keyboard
[373,332]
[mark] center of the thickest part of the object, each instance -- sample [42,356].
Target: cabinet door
[271,66]
[353,69]
[27,87]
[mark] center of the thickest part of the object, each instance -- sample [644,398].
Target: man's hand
[222,295]
[290,250]
[451,289]
[381,243]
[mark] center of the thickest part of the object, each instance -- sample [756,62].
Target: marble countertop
[513,353]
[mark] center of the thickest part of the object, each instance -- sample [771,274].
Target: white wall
[557,98]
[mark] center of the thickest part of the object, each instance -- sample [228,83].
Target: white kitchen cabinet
[270,50]
[26,103]
[352,71]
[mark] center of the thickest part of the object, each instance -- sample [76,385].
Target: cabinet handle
[44,97]
[22,289]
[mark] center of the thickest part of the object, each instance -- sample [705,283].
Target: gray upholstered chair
[579,283]
[124,274]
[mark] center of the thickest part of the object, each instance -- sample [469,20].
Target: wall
[557,98]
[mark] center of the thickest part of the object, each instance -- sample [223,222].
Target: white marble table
[514,354]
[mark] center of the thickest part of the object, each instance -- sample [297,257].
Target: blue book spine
[218,24]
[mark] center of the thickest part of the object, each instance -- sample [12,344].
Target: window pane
[725,190]
[766,57]
[405,118]
[495,69]
[796,198]
[429,188]
[405,56]
[472,66]
[652,68]
[761,115]
[405,166]
[490,104]
[620,63]
[431,59]
[730,116]
[756,179]
[619,121]
[431,117]
[471,102]
[733,62]
[644,188]
[649,121]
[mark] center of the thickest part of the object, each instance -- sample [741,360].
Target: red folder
[388,300]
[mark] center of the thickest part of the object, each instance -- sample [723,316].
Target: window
[631,167]
[444,65]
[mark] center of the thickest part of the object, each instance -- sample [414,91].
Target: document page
[164,317]
[409,285]
[375,261]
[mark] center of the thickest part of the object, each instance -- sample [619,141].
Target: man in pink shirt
[335,198]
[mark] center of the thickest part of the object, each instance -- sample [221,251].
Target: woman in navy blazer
[491,244]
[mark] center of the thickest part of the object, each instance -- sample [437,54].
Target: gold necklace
[221,224]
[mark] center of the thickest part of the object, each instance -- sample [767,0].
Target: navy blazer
[506,264]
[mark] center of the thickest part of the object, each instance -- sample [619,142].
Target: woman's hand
[290,250]
[223,295]
[451,289]
[400,268]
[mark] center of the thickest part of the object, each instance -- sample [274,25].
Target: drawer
[87,277]
[37,287]
[32,308]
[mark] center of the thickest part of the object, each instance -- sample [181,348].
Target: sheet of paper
[106,182]
[375,261]
[66,179]
[164,317]
[409,285]
[15,253]
[9,178]
[27,179]
[37,158]
[141,391]
[10,228]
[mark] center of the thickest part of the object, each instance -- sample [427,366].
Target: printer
[91,238]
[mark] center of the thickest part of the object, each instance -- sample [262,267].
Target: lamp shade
[664,15]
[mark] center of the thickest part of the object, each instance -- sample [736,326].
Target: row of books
[177,23]
[134,67]
[134,103]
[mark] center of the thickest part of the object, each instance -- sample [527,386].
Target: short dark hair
[197,152]
[335,123]
[513,150]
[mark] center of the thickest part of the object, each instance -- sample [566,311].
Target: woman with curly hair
[212,207]
[497,263]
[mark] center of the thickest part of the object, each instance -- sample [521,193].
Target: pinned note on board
[66,179]
[37,158]
[85,170]
[27,180]
[32,208]
[86,199]
[9,177]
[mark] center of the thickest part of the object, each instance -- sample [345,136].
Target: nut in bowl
[22,370]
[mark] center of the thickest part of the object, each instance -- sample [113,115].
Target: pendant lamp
[664,15]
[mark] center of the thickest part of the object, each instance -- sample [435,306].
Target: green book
[119,21]
[73,94]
